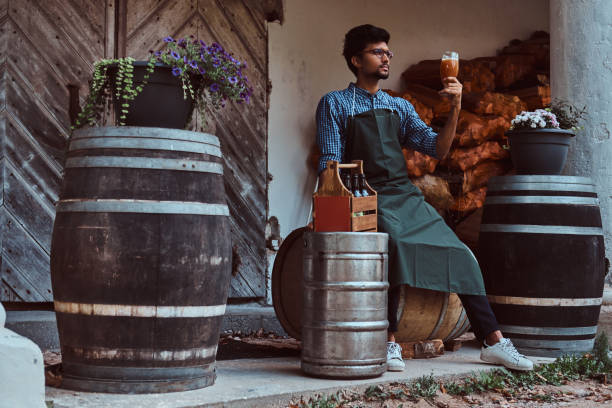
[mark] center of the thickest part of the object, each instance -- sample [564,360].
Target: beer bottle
[346,180]
[362,187]
[356,189]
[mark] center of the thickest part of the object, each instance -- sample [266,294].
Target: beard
[382,75]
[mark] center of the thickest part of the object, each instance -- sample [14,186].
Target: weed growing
[594,365]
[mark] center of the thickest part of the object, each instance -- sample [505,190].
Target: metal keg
[344,319]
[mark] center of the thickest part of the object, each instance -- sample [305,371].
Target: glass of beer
[449,65]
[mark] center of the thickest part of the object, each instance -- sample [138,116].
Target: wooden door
[45,46]
[240,27]
[48,45]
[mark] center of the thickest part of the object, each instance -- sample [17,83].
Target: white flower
[533,125]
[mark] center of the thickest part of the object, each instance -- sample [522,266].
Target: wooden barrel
[287,289]
[140,260]
[344,319]
[428,314]
[542,255]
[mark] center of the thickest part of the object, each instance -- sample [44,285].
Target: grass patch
[568,367]
[424,387]
[594,365]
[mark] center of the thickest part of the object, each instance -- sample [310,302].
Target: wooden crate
[336,208]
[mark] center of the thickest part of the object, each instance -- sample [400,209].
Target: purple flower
[233,80]
[202,43]
[214,87]
[193,64]
[182,43]
[176,71]
[185,59]
[202,70]
[216,62]
[175,55]
[157,53]
[168,39]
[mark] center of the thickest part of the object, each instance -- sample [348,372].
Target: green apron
[423,251]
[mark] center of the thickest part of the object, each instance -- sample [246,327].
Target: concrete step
[41,327]
[272,382]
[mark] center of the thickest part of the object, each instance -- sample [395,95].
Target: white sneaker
[394,357]
[504,353]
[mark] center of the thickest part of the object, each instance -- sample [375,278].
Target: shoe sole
[511,368]
[396,369]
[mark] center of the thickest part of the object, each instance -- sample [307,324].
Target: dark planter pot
[539,151]
[161,102]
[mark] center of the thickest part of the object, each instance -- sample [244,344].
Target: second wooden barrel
[428,314]
[140,260]
[542,255]
[344,319]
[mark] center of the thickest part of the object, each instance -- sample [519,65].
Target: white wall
[581,72]
[306,62]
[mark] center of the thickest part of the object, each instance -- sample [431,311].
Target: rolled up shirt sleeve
[329,132]
[414,133]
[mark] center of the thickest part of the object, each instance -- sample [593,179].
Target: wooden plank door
[240,27]
[45,46]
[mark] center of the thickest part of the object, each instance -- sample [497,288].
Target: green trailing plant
[104,88]
[208,74]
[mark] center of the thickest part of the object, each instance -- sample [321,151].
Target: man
[363,122]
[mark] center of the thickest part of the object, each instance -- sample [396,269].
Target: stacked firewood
[495,90]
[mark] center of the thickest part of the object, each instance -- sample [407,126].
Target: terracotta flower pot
[539,151]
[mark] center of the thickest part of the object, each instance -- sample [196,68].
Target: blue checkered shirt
[335,108]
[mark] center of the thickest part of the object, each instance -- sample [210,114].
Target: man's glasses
[379,52]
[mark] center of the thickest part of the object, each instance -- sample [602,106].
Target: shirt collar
[363,92]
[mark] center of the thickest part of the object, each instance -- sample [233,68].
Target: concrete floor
[274,382]
[270,382]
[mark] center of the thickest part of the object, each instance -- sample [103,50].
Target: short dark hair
[357,39]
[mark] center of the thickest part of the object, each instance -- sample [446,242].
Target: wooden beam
[274,10]
[109,29]
[120,28]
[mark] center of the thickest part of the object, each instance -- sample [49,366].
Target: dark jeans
[476,307]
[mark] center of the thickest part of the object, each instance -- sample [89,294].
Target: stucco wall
[306,62]
[581,72]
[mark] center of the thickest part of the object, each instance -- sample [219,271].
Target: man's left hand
[452,90]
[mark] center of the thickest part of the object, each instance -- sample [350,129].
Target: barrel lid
[540,179]
[145,132]
[287,283]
